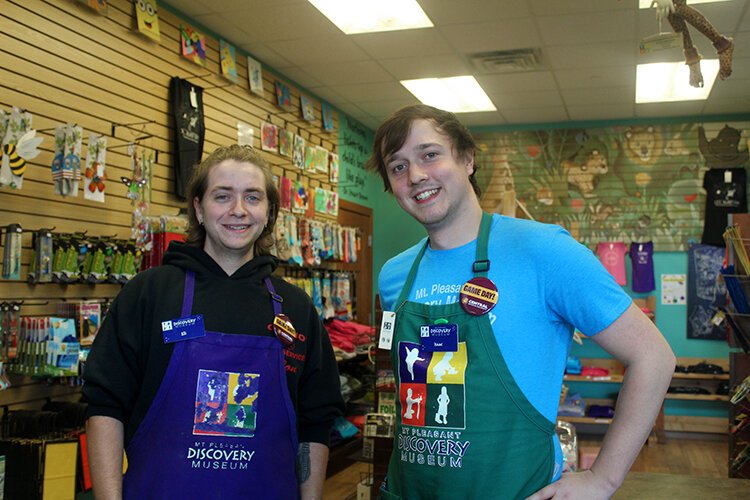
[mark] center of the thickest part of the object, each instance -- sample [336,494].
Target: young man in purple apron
[217,378]
[479,317]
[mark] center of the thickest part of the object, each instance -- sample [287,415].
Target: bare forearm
[312,460]
[105,437]
[638,403]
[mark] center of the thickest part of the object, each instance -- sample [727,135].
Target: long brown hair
[199,183]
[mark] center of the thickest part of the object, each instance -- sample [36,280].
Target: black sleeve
[112,377]
[319,391]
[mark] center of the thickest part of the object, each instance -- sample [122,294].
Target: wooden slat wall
[64,63]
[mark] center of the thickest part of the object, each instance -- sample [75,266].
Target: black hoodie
[129,357]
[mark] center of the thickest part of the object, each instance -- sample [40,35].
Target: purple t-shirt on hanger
[642,257]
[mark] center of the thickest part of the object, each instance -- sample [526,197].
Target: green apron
[464,429]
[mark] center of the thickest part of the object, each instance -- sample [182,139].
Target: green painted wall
[393,230]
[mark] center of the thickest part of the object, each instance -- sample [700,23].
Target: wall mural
[621,183]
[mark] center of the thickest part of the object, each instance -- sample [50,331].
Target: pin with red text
[284,330]
[478,296]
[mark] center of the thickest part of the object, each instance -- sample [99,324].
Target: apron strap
[482,264]
[187,297]
[480,267]
[276,298]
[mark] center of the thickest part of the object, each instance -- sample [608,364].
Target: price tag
[727,176]
[387,326]
[193,98]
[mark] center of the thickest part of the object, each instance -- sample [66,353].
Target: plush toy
[678,13]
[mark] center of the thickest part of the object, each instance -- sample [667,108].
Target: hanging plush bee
[18,154]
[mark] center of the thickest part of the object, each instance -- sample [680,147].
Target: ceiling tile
[727,106]
[473,11]
[337,48]
[684,108]
[191,8]
[591,55]
[266,55]
[499,35]
[348,73]
[298,75]
[588,28]
[609,95]
[485,119]
[596,78]
[557,7]
[518,82]
[372,91]
[536,115]
[536,99]
[600,112]
[408,68]
[385,107]
[282,22]
[404,43]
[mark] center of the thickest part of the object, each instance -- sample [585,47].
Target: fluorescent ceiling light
[646,4]
[458,94]
[669,82]
[369,16]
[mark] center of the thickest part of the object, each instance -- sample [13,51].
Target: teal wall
[393,230]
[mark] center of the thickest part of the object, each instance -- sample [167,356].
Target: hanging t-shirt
[642,257]
[612,256]
[187,114]
[725,194]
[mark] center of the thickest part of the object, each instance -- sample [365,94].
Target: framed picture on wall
[147,19]
[286,142]
[228,58]
[255,75]
[308,109]
[269,137]
[193,45]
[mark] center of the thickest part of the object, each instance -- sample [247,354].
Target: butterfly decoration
[97,181]
[133,186]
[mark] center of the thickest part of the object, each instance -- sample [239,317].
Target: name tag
[439,338]
[190,327]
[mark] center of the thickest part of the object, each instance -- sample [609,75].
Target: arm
[633,340]
[312,460]
[105,437]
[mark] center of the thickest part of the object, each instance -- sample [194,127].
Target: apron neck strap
[276,299]
[481,263]
[187,297]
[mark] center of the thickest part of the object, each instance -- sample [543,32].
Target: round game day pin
[284,330]
[478,296]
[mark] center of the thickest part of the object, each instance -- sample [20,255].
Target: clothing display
[725,194]
[642,258]
[128,371]
[485,393]
[612,256]
[187,118]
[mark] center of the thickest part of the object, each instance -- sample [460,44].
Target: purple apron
[221,425]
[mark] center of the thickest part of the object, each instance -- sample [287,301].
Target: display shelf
[700,376]
[584,420]
[698,397]
[615,379]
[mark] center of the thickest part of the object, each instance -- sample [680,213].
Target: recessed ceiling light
[646,4]
[369,16]
[669,82]
[458,94]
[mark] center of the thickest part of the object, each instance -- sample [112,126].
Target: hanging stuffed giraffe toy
[679,14]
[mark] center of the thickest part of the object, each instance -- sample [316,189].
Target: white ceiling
[589,54]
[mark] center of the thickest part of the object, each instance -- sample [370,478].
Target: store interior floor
[680,456]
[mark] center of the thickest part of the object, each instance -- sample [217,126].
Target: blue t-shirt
[548,284]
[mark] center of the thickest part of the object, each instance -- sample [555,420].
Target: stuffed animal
[678,13]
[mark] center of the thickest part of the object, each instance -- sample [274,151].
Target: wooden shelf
[614,379]
[698,397]
[584,420]
[701,376]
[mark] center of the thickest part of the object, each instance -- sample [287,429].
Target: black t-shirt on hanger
[187,114]
[726,194]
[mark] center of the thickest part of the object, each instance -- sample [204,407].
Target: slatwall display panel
[64,63]
[620,183]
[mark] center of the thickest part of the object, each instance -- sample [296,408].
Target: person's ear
[470,164]
[198,210]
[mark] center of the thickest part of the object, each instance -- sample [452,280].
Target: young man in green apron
[481,315]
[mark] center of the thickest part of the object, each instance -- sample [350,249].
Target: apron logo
[226,403]
[431,390]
